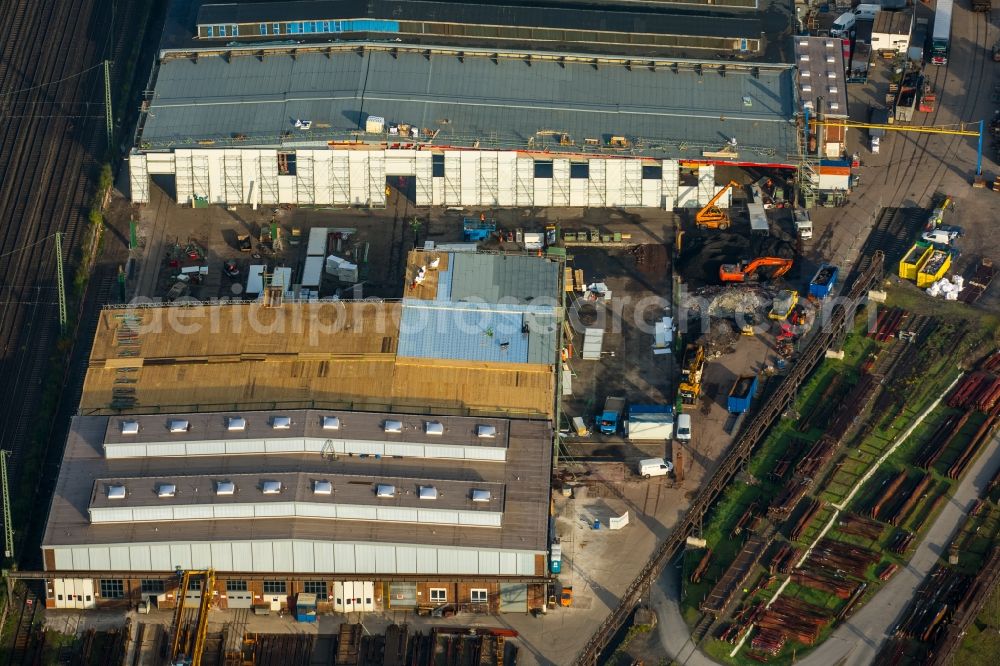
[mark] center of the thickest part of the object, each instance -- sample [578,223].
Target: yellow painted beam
[901,128]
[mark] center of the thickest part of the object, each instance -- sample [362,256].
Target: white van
[844,24]
[867,12]
[654,467]
[684,426]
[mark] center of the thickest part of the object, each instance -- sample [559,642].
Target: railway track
[52,143]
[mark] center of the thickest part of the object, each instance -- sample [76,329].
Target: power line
[51,83]
[25,247]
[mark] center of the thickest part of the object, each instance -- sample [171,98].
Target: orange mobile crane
[744,271]
[711,216]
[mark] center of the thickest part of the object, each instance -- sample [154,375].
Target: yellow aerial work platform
[914,260]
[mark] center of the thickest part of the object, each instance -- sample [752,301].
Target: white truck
[803,223]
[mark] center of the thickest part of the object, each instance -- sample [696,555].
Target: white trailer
[891,32]
[312,272]
[317,242]
[649,422]
[255,280]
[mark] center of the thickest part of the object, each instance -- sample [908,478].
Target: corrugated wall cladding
[297,556]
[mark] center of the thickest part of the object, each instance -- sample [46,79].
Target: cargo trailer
[649,422]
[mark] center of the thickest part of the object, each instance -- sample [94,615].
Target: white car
[876,141]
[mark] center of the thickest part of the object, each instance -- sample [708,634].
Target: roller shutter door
[514,598]
[402,595]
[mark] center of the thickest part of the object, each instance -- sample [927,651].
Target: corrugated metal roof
[478,332]
[502,278]
[473,100]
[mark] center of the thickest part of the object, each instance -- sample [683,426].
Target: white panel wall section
[302,552]
[297,556]
[671,178]
[579,191]
[489,185]
[424,182]
[305,178]
[138,178]
[376,179]
[159,163]
[597,179]
[524,183]
[251,176]
[543,192]
[100,558]
[614,175]
[506,178]
[323,185]
[453,179]
[358,163]
[470,181]
[560,182]
[400,162]
[232,175]
[268,178]
[706,183]
[201,175]
[632,183]
[437,189]
[340,177]
[652,192]
[288,187]
[184,177]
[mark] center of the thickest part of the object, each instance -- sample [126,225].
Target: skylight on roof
[116,492]
[166,490]
[480,495]
[486,431]
[225,488]
[322,488]
[236,424]
[427,493]
[331,423]
[385,490]
[271,487]
[130,427]
[393,426]
[178,425]
[434,428]
[281,422]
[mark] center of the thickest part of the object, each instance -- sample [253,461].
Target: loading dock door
[402,595]
[192,598]
[354,596]
[514,598]
[240,599]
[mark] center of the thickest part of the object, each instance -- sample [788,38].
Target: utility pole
[60,283]
[109,124]
[8,528]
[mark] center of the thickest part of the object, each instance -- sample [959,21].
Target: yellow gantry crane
[961,129]
[188,641]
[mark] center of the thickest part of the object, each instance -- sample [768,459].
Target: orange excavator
[711,216]
[744,271]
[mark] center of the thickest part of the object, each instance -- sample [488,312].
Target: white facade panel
[201,177]
[222,556]
[235,446]
[508,563]
[263,555]
[443,451]
[104,515]
[340,178]
[631,182]
[81,559]
[284,559]
[364,558]
[652,189]
[183,179]
[506,178]
[314,510]
[201,555]
[470,181]
[288,189]
[274,510]
[447,559]
[479,518]
[370,448]
[423,181]
[268,177]
[437,190]
[706,183]
[438,516]
[322,178]
[302,551]
[232,176]
[125,451]
[385,559]
[453,179]
[293,445]
[180,556]
[343,555]
[242,556]
[376,179]
[579,191]
[524,182]
[427,560]
[403,449]
[100,558]
[671,179]
[525,564]
[406,559]
[542,192]
[154,450]
[358,166]
[138,175]
[489,562]
[193,512]
[152,513]
[597,195]
[400,162]
[489,178]
[63,558]
[352,512]
[560,182]
[323,558]
[160,164]
[398,514]
[614,175]
[119,558]
[159,557]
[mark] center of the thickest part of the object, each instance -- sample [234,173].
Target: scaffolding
[183,176]
[340,179]
[560,182]
[524,183]
[598,183]
[632,181]
[452,179]
[305,183]
[139,178]
[489,174]
[200,176]
[269,178]
[232,175]
[376,180]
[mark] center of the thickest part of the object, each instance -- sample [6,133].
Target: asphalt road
[858,640]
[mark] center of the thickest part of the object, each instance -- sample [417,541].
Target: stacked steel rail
[841,317]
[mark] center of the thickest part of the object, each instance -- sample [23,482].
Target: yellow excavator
[711,216]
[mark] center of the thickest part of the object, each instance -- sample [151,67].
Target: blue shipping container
[742,394]
[823,282]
